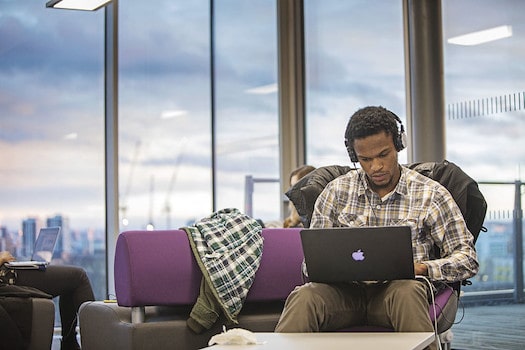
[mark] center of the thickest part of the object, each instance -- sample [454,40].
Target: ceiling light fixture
[86,5]
[483,36]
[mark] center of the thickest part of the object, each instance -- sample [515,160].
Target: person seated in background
[70,283]
[294,220]
[383,192]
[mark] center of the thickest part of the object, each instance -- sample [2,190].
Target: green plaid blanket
[228,248]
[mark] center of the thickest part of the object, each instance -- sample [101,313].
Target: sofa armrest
[43,324]
[155,268]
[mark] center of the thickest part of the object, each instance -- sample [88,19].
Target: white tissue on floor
[235,336]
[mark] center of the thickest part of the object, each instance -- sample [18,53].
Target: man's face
[378,158]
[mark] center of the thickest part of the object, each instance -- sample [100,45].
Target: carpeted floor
[500,327]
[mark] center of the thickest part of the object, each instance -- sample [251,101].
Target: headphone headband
[399,140]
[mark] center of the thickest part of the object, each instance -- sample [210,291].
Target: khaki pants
[401,305]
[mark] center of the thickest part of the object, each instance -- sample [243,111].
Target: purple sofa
[157,282]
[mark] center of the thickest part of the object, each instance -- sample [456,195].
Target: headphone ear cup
[353,156]
[351,152]
[404,140]
[400,143]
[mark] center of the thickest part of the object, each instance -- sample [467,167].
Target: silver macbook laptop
[42,251]
[349,254]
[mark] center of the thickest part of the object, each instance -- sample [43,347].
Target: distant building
[3,238]
[64,239]
[29,229]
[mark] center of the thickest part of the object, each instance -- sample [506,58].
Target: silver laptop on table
[347,254]
[42,251]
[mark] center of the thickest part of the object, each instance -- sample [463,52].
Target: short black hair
[369,121]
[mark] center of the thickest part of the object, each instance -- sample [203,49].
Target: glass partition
[485,124]
[485,128]
[246,108]
[484,87]
[164,113]
[52,133]
[350,64]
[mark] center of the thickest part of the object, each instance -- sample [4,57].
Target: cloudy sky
[52,101]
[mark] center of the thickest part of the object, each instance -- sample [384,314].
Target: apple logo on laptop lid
[358,255]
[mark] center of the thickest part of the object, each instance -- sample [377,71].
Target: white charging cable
[431,288]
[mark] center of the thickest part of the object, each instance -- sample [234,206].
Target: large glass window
[164,113]
[351,63]
[485,128]
[354,58]
[246,107]
[485,124]
[485,86]
[52,133]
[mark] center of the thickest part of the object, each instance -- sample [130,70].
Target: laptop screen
[45,244]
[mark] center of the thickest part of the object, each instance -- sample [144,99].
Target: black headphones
[399,141]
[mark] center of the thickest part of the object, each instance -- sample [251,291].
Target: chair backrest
[305,192]
[462,187]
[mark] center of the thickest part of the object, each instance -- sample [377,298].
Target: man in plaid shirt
[381,193]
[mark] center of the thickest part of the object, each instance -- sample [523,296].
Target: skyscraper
[29,227]
[64,239]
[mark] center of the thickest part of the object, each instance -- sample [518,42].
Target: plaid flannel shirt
[228,247]
[417,201]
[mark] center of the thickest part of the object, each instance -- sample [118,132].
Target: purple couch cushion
[441,299]
[158,268]
[280,269]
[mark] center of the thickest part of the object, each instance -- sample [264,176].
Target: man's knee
[303,309]
[306,294]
